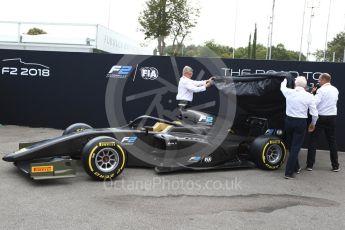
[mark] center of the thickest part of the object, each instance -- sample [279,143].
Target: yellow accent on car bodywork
[161,127]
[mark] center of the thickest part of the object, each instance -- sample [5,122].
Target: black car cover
[257,95]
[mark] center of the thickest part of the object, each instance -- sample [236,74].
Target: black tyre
[103,158]
[268,152]
[75,128]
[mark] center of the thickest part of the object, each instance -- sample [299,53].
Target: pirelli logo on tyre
[42,169]
[106,144]
[275,142]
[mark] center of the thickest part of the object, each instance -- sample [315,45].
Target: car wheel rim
[274,154]
[107,159]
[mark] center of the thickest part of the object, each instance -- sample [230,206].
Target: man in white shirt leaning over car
[298,102]
[187,87]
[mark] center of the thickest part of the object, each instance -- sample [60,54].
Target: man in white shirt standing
[326,98]
[298,101]
[187,87]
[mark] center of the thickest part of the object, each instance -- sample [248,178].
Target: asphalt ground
[141,199]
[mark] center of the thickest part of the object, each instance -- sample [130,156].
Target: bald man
[326,98]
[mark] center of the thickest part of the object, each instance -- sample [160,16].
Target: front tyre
[103,158]
[268,152]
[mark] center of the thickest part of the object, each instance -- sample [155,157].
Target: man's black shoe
[336,169]
[289,177]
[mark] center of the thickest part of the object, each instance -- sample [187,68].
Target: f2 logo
[129,140]
[121,70]
[207,119]
[10,70]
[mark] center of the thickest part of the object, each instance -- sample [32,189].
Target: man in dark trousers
[298,101]
[326,98]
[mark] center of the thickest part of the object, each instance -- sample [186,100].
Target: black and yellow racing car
[191,143]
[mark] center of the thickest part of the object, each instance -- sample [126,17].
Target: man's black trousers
[295,129]
[328,125]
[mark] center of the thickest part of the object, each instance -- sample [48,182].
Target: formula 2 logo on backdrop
[120,71]
[15,67]
[149,73]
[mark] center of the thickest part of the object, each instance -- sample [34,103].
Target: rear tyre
[103,158]
[268,152]
[76,128]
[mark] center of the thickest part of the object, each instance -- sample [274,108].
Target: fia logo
[129,140]
[149,73]
[206,119]
[120,71]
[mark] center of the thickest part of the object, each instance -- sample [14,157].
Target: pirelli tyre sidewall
[268,152]
[75,128]
[103,158]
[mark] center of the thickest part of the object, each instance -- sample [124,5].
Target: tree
[254,44]
[260,51]
[337,46]
[156,22]
[212,49]
[162,18]
[35,31]
[184,18]
[249,47]
[280,53]
[219,50]
[242,52]
[208,49]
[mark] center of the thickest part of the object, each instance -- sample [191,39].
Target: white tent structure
[67,37]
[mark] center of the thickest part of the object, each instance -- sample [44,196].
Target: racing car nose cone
[7,158]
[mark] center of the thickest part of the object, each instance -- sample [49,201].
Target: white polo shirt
[326,98]
[186,88]
[298,101]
